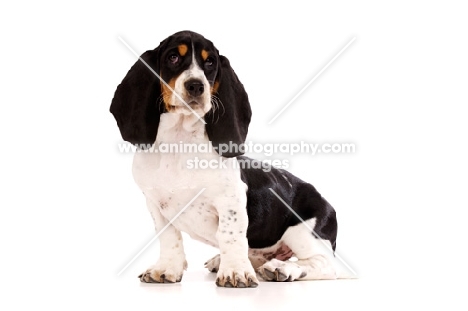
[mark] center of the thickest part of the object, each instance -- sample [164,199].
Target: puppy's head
[188,67]
[186,74]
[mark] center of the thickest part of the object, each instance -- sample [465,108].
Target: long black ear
[230,122]
[135,103]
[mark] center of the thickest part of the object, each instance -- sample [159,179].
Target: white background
[71,216]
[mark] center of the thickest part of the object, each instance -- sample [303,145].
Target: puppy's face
[189,66]
[199,76]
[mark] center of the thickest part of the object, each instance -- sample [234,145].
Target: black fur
[234,117]
[135,101]
[269,217]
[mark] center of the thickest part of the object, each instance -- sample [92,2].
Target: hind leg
[315,257]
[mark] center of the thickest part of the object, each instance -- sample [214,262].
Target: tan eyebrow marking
[182,49]
[204,54]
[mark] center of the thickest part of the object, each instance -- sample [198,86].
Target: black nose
[194,87]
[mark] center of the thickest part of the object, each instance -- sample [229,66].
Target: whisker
[220,103]
[216,103]
[160,103]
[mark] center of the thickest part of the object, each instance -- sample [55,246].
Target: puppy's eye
[173,58]
[209,63]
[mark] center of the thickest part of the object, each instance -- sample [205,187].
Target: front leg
[235,269]
[171,264]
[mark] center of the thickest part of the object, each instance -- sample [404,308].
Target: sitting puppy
[244,211]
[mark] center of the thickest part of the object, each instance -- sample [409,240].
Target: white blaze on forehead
[195,70]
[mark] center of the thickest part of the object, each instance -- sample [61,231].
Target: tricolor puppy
[237,211]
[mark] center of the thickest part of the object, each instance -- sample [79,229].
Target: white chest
[183,158]
[174,172]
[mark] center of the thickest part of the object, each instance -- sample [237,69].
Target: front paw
[240,276]
[164,272]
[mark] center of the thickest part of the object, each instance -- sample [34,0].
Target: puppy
[184,91]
